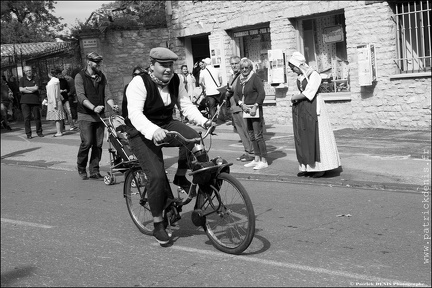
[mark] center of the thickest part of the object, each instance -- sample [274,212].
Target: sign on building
[277,66]
[367,68]
[90,43]
[333,34]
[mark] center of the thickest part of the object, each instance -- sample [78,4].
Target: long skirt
[55,114]
[329,155]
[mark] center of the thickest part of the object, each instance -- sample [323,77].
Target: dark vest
[305,123]
[64,85]
[154,108]
[94,93]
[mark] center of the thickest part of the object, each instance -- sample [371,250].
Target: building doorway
[200,48]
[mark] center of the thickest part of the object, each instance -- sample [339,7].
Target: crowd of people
[148,106]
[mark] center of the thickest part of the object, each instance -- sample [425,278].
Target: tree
[124,15]
[29,21]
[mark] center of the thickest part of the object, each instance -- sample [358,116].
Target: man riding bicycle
[151,98]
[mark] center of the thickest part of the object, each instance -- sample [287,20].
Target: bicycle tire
[232,228]
[135,193]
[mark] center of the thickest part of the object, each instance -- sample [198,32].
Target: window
[324,44]
[413,36]
[254,44]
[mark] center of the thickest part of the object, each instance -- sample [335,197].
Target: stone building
[374,56]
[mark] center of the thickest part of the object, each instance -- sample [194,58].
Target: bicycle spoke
[230,219]
[136,201]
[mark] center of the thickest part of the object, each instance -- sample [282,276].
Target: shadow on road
[8,278]
[19,152]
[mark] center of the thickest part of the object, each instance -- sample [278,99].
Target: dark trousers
[27,111]
[241,126]
[92,136]
[255,127]
[212,101]
[151,160]
[73,108]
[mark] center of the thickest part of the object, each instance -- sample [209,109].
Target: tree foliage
[29,21]
[124,15]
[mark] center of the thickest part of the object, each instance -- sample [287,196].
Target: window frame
[406,21]
[336,95]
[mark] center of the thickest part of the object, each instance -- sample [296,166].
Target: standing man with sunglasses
[93,93]
[30,102]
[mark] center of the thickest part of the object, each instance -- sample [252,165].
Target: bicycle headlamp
[218,161]
[200,153]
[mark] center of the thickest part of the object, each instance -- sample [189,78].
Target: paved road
[59,231]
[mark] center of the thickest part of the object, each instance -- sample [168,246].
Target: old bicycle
[222,208]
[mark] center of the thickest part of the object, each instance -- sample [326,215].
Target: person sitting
[151,98]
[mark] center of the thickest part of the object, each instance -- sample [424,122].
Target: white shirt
[312,88]
[136,95]
[189,82]
[207,80]
[53,91]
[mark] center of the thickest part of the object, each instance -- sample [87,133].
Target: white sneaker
[260,165]
[252,164]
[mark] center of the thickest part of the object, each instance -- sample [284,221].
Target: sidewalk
[378,159]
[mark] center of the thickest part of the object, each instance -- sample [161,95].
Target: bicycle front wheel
[135,193]
[230,218]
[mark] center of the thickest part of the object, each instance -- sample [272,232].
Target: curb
[398,187]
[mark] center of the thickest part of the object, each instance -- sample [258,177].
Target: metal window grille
[413,36]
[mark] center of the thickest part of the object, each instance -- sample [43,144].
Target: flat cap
[94,57]
[161,54]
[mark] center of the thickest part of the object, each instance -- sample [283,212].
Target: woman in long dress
[313,135]
[55,111]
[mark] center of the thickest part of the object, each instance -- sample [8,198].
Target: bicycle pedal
[181,190]
[172,215]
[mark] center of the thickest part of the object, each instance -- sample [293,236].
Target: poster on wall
[277,66]
[215,51]
[333,34]
[366,64]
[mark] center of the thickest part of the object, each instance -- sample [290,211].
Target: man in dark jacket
[92,92]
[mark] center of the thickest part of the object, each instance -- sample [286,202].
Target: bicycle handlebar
[174,134]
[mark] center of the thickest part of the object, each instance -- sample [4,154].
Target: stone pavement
[378,159]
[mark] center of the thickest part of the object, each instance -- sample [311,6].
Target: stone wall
[124,50]
[396,103]
[393,102]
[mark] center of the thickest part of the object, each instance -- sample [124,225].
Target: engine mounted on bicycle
[222,208]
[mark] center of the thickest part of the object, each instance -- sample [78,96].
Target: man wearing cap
[92,92]
[151,98]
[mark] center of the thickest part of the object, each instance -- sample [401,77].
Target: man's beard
[95,70]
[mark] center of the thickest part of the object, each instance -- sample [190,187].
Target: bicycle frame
[222,208]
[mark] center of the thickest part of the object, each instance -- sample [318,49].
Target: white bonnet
[297,58]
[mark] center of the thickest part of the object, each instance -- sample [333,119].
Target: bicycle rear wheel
[135,193]
[230,226]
